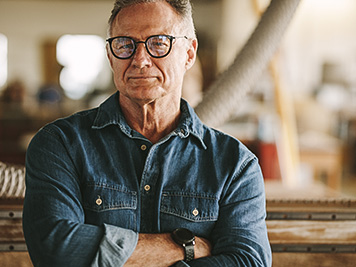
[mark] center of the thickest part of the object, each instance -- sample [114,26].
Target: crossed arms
[57,234]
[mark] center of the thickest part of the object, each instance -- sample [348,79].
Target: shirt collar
[190,123]
[109,113]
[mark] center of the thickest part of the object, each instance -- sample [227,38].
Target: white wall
[322,30]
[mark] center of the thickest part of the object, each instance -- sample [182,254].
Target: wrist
[186,239]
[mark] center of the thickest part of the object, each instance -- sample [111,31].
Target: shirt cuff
[115,247]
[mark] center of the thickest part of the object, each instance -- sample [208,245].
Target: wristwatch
[185,238]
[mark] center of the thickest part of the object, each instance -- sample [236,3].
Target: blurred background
[53,63]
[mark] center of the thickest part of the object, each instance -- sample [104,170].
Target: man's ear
[191,53]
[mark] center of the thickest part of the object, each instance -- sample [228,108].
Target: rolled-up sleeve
[53,217]
[116,247]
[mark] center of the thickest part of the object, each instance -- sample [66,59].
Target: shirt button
[147,188]
[182,131]
[195,212]
[98,201]
[143,147]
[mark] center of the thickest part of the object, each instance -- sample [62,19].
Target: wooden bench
[13,250]
[309,227]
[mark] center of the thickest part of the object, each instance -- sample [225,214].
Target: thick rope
[12,181]
[225,94]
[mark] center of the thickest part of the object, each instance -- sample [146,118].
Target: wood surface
[312,232]
[311,201]
[15,259]
[313,260]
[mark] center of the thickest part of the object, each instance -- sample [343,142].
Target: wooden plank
[11,234]
[15,259]
[307,191]
[313,260]
[331,209]
[312,202]
[312,232]
[11,231]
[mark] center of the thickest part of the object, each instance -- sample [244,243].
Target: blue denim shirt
[93,184]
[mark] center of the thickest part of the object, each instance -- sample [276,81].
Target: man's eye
[159,44]
[125,47]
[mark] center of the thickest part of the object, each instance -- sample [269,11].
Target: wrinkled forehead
[147,18]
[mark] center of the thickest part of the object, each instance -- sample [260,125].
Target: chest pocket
[197,212]
[109,204]
[103,197]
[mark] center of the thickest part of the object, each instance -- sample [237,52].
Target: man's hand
[160,250]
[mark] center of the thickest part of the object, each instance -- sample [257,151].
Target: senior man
[140,181]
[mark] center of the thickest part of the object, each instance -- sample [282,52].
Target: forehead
[146,19]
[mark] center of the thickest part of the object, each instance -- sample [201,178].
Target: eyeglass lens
[157,46]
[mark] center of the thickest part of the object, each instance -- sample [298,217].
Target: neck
[154,120]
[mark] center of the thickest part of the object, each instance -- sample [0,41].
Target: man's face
[142,78]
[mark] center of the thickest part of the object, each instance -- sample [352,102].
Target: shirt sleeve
[180,264]
[53,217]
[116,247]
[240,235]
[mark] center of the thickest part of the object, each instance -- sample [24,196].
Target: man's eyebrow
[143,38]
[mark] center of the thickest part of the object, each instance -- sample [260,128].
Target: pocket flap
[102,197]
[191,206]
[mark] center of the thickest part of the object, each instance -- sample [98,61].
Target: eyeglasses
[157,46]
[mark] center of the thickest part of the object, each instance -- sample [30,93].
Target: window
[84,64]
[3,59]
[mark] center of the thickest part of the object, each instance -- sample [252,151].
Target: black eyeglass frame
[170,37]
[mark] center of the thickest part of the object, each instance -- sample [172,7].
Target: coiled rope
[12,181]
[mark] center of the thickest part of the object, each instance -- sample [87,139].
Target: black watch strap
[185,238]
[189,251]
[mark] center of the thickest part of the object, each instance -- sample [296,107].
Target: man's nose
[141,58]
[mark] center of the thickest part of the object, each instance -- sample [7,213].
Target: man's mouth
[142,80]
[142,77]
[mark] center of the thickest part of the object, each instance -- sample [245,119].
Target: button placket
[148,181]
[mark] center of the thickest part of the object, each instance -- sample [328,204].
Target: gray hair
[182,7]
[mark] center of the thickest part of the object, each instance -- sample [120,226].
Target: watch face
[183,235]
